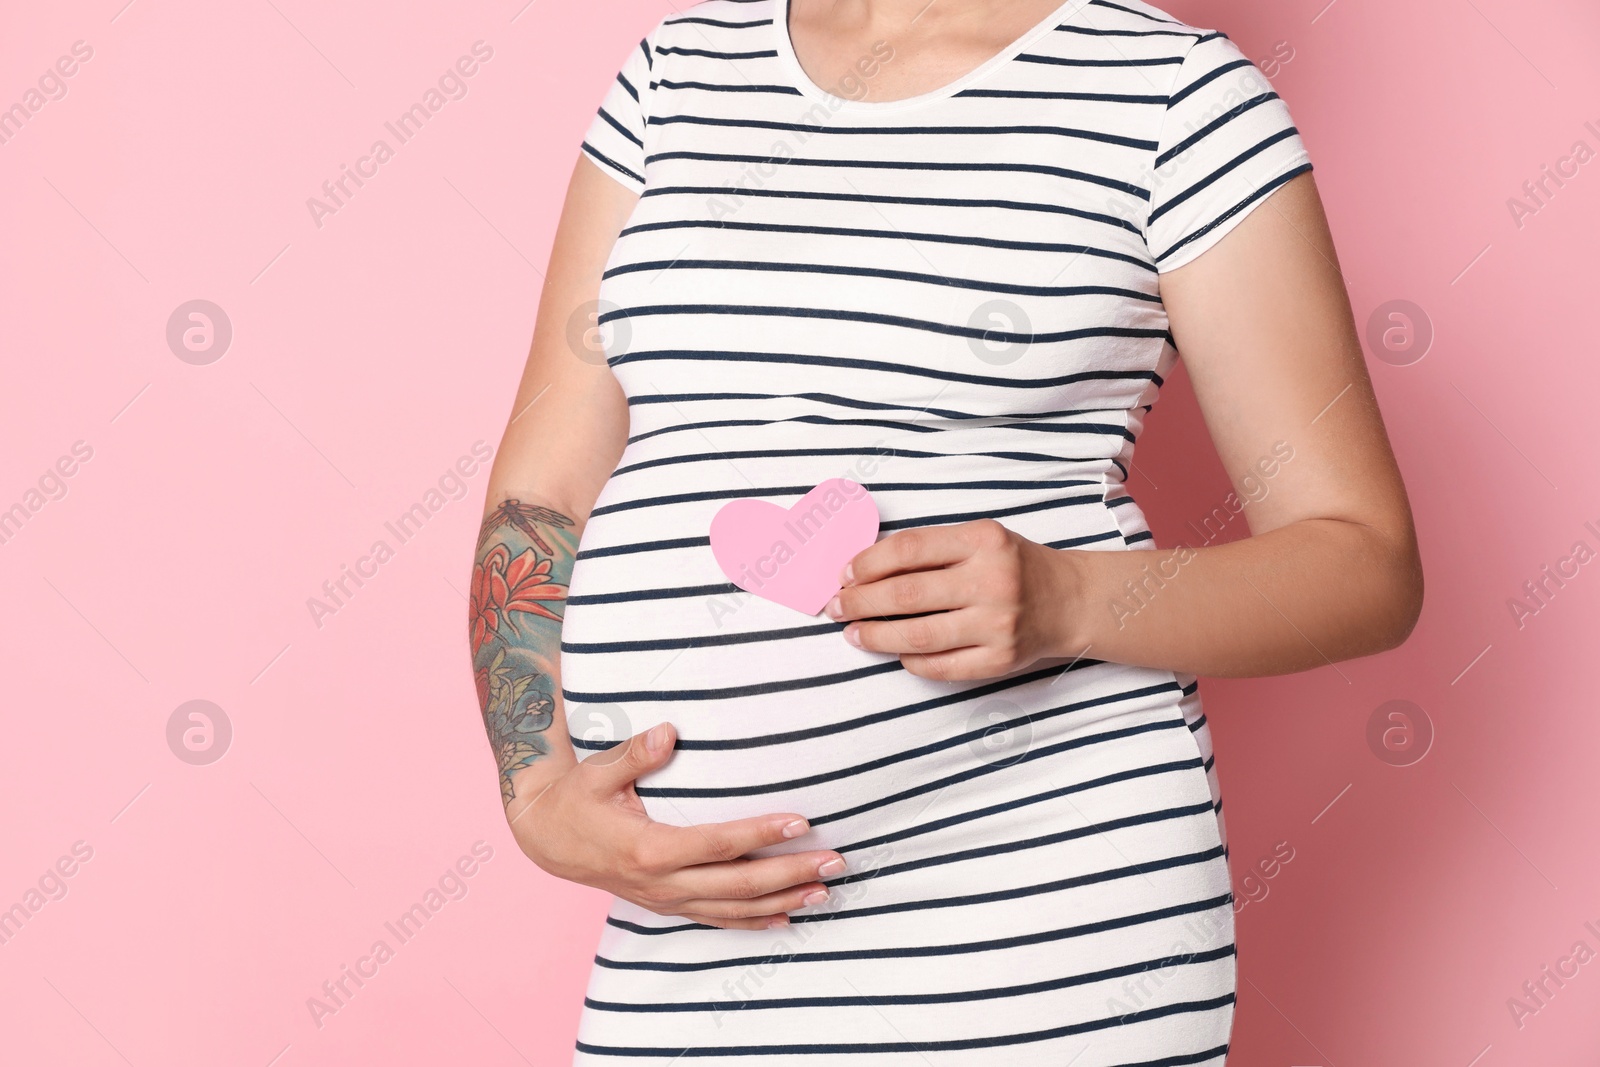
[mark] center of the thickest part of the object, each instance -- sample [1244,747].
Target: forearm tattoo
[519,589]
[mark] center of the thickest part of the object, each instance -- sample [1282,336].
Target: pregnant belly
[776,712]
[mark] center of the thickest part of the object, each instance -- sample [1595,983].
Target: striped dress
[953,299]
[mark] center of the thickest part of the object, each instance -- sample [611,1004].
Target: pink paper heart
[793,556]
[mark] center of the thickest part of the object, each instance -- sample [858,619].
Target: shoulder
[1134,19]
[1208,74]
[712,23]
[1153,32]
[1170,57]
[693,42]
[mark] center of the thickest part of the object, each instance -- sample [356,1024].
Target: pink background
[371,352]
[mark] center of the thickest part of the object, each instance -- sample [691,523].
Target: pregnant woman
[966,814]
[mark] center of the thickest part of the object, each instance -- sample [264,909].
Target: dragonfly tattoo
[524,518]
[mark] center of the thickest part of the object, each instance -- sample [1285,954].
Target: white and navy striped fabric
[954,300]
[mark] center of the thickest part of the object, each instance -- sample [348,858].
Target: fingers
[923,635]
[810,895]
[705,870]
[685,846]
[913,550]
[753,894]
[746,880]
[903,594]
[743,907]
[761,922]
[958,665]
[610,771]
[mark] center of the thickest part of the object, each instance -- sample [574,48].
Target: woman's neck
[932,42]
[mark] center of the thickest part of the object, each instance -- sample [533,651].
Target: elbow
[1401,598]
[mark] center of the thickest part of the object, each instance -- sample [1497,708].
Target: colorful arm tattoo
[519,581]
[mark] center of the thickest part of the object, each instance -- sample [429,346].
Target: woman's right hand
[589,826]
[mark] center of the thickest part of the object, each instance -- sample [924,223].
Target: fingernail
[656,738]
[848,575]
[852,635]
[833,610]
[819,897]
[795,828]
[832,867]
[778,923]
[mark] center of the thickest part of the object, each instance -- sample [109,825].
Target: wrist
[1067,603]
[528,787]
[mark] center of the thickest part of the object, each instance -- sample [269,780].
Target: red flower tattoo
[502,585]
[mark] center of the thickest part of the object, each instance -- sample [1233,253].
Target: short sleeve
[1226,143]
[615,138]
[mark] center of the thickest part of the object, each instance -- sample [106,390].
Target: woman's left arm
[1331,570]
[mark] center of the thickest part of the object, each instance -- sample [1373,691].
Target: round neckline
[802,81]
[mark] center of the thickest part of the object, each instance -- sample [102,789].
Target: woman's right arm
[582,820]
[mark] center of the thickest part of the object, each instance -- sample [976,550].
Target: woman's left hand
[995,601]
